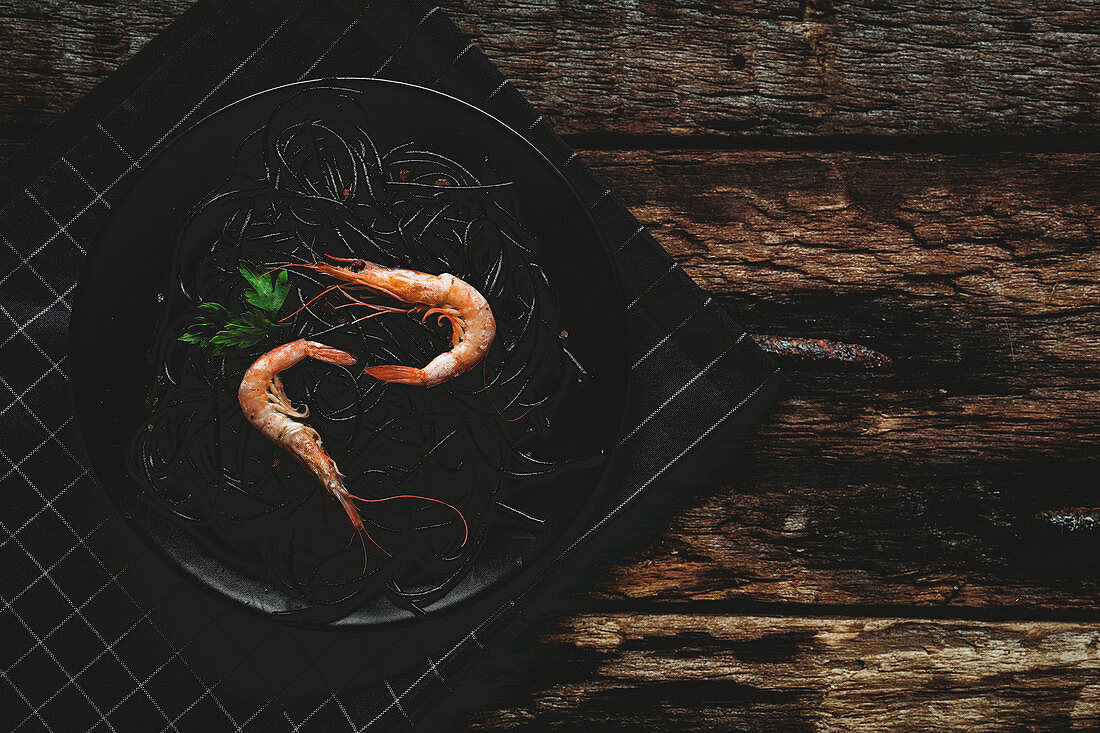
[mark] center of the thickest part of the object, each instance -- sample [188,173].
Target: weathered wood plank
[937,536]
[701,672]
[674,67]
[799,66]
[979,276]
[54,51]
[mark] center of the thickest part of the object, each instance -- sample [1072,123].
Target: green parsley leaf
[268,291]
[213,325]
[212,308]
[245,330]
[209,319]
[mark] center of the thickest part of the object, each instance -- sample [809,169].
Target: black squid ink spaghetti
[313,183]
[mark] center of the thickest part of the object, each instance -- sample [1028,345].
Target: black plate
[233,513]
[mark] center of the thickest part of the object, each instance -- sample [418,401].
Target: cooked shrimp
[446,296]
[268,408]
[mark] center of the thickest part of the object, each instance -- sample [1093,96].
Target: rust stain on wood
[821,350]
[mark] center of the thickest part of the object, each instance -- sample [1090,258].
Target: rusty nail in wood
[821,350]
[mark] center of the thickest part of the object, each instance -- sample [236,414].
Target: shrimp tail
[398,374]
[321,352]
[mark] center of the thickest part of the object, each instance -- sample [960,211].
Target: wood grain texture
[719,672]
[959,537]
[917,485]
[52,52]
[977,275]
[674,67]
[797,67]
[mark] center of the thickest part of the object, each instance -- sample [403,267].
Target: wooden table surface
[919,177]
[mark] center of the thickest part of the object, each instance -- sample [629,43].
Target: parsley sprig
[217,327]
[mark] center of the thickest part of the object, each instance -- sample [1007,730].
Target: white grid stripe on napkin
[98,196]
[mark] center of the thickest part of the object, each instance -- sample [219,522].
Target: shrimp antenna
[374,542]
[516,419]
[310,302]
[312,254]
[363,543]
[465,526]
[379,308]
[283,267]
[360,533]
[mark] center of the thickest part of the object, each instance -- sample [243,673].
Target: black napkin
[97,631]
